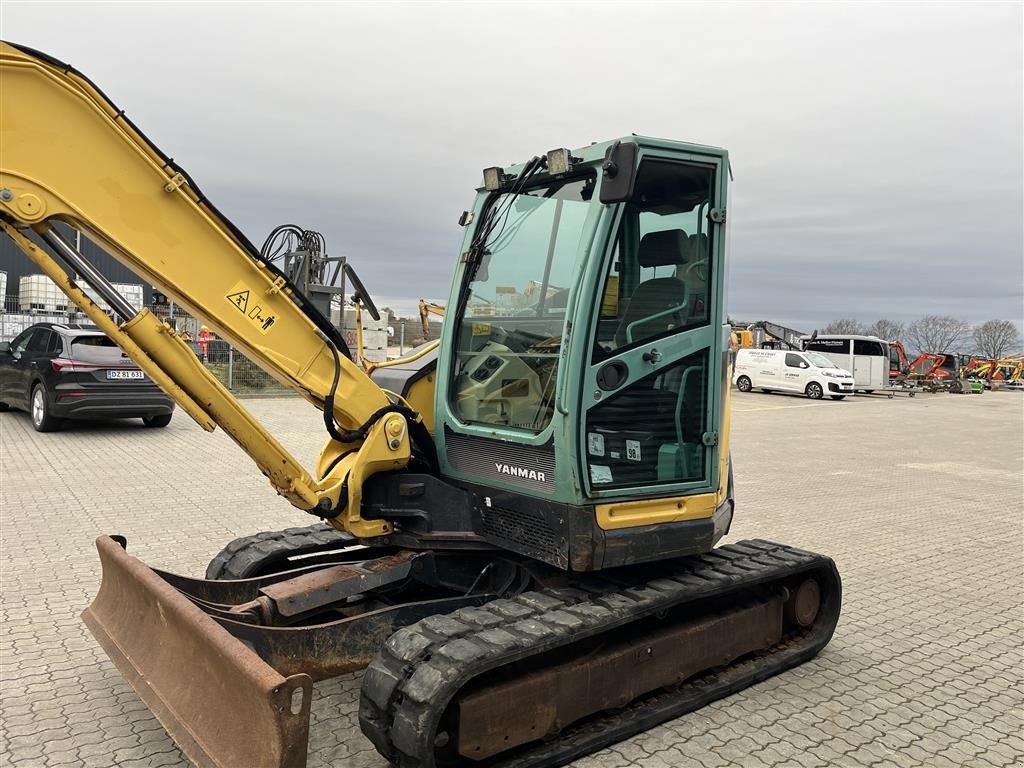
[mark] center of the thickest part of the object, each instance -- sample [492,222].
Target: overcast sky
[877,149]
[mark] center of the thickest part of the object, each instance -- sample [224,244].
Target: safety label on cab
[246,301]
[633,450]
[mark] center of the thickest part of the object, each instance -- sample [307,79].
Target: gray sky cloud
[877,148]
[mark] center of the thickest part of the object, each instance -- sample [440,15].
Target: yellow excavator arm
[69,155]
[428,308]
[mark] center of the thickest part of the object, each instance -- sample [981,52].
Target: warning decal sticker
[244,300]
[240,300]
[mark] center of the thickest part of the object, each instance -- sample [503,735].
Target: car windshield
[820,360]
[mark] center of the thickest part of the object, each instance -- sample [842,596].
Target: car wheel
[839,397]
[814,391]
[157,421]
[743,384]
[42,419]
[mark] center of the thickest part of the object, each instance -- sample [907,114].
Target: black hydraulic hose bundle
[360,433]
[490,223]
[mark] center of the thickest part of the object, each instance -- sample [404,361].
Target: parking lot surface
[919,501]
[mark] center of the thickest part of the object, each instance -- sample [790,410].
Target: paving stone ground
[918,500]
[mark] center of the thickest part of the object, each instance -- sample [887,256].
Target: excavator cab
[582,368]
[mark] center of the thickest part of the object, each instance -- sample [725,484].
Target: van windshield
[820,360]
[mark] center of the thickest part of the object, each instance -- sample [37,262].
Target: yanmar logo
[529,474]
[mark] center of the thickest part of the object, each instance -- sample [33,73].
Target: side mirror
[618,173]
[804,365]
[5,347]
[359,292]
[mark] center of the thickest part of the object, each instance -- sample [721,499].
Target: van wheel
[838,397]
[743,384]
[814,391]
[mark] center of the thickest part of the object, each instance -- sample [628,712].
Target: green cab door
[650,406]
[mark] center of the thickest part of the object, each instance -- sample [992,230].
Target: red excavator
[899,366]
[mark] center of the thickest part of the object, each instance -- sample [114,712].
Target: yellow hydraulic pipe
[359,333]
[426,349]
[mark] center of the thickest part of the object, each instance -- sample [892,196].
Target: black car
[58,372]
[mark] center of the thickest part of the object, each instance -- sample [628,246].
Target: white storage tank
[38,293]
[369,324]
[375,344]
[375,333]
[132,292]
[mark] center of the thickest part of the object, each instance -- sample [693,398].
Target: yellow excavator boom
[70,155]
[428,308]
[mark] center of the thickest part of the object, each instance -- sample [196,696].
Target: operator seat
[667,248]
[695,275]
[652,400]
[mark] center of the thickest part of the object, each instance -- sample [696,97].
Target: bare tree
[889,330]
[996,338]
[938,333]
[844,325]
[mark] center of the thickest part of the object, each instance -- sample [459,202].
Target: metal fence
[13,320]
[233,369]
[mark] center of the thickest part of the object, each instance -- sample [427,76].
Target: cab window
[509,334]
[866,347]
[840,346]
[658,281]
[795,361]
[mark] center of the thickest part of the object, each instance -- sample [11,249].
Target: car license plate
[125,375]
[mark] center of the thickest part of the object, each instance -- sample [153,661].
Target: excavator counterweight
[525,510]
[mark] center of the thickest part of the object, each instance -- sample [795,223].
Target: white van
[867,357]
[780,370]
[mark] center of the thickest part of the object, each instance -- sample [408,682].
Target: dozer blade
[220,702]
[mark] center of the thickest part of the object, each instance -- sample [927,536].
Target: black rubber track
[252,555]
[421,668]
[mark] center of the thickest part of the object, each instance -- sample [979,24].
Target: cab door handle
[654,356]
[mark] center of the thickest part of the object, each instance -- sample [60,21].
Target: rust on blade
[220,702]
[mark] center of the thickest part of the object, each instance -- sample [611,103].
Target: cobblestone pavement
[918,500]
